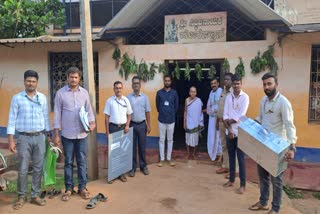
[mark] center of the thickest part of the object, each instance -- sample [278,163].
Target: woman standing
[193,120]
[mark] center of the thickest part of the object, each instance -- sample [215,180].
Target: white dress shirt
[118,109]
[235,108]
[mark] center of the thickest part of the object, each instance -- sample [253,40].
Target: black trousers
[139,140]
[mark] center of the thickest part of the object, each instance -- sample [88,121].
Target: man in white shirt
[276,115]
[117,114]
[213,139]
[236,106]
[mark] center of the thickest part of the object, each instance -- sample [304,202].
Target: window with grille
[102,11]
[314,98]
[59,64]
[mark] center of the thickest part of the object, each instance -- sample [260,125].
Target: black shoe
[145,171]
[132,173]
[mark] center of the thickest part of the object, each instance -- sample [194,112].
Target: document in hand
[84,118]
[264,147]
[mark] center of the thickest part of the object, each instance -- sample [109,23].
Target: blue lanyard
[124,106]
[31,100]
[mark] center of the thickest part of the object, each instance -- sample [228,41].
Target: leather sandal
[228,184]
[258,206]
[222,171]
[19,204]
[241,190]
[38,201]
[84,193]
[67,195]
[123,178]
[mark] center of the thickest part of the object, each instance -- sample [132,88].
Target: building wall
[19,57]
[299,12]
[293,56]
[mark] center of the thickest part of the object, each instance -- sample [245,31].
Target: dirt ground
[187,188]
[307,205]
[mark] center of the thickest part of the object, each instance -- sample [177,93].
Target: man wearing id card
[117,114]
[167,103]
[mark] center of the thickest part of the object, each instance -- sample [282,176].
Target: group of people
[29,120]
[225,108]
[122,112]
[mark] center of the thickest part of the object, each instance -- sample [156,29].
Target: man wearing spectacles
[28,118]
[117,115]
[276,115]
[140,121]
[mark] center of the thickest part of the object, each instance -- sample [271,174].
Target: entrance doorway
[203,88]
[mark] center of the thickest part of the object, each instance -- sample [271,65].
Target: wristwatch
[293,148]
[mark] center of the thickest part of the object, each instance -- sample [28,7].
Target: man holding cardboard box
[276,115]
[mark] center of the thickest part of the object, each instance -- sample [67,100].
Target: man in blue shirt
[140,121]
[29,119]
[167,103]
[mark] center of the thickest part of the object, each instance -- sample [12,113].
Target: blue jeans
[264,178]
[78,148]
[234,151]
[139,140]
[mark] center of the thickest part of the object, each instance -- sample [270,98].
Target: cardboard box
[263,146]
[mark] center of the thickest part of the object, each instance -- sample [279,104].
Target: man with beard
[29,119]
[236,106]
[67,103]
[167,103]
[117,112]
[213,140]
[276,115]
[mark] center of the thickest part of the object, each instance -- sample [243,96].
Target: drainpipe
[70,16]
[65,18]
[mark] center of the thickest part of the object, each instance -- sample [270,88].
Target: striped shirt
[67,106]
[28,114]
